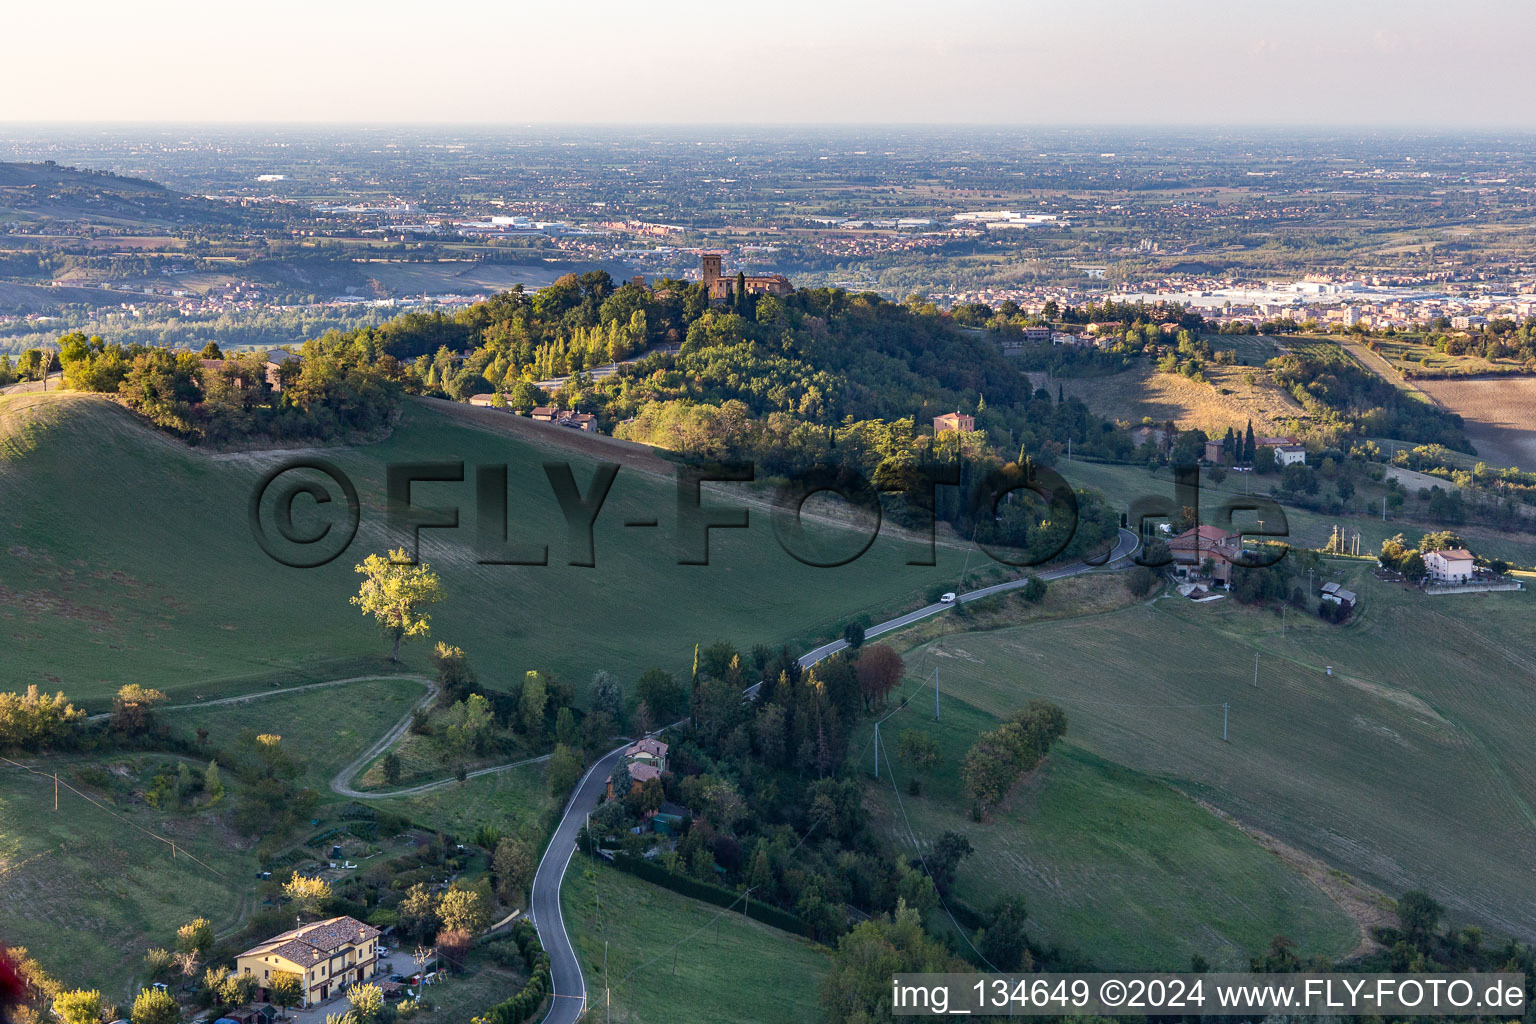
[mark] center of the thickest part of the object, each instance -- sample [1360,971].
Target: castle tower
[709,265]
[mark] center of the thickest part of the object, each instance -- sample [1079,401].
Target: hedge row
[720,896]
[527,1002]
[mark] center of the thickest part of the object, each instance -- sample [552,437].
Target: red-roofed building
[953,421]
[327,956]
[1192,547]
[650,751]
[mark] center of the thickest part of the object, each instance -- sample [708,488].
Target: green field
[1408,767]
[1112,864]
[129,558]
[462,997]
[1410,352]
[730,969]
[87,891]
[517,802]
[325,727]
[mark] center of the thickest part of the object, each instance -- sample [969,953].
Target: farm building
[1452,566]
[1336,594]
[327,956]
[1191,548]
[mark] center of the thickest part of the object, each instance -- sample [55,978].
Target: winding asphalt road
[570,988]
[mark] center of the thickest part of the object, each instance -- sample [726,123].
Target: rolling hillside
[1395,748]
[129,557]
[44,192]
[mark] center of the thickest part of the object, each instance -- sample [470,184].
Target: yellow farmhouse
[327,956]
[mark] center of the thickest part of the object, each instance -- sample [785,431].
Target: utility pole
[1383,508]
[1223,723]
[877,750]
[1255,668]
[55,791]
[935,693]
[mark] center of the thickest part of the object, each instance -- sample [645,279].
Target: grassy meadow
[87,891]
[310,721]
[1407,767]
[732,966]
[1113,863]
[129,557]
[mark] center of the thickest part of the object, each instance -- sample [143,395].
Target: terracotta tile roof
[648,745]
[311,943]
[1207,535]
[642,772]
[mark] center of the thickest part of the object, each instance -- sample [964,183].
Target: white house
[1290,454]
[1452,566]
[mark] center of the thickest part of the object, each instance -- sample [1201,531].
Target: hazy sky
[1025,61]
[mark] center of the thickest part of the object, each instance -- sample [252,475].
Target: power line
[924,861]
[176,852]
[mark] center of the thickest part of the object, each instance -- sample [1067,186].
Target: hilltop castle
[763,284]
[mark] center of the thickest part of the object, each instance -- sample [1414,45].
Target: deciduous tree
[285,989]
[133,707]
[1003,941]
[945,859]
[309,895]
[397,594]
[463,910]
[196,936]
[154,1006]
[513,865]
[79,1006]
[418,910]
[532,703]
[367,1002]
[608,696]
